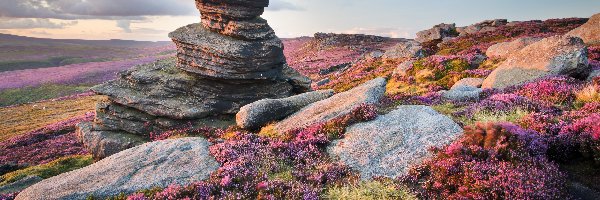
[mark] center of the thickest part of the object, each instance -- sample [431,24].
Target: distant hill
[8,39]
[20,52]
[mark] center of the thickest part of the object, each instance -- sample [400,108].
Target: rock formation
[482,27]
[438,32]
[338,105]
[504,49]
[157,164]
[231,59]
[390,144]
[590,31]
[557,55]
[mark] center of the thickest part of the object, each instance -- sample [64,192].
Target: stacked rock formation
[230,59]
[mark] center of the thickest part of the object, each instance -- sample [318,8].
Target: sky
[152,20]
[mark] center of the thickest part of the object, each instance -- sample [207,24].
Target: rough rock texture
[102,144]
[389,145]
[462,93]
[405,49]
[558,55]
[338,105]
[230,59]
[590,31]
[473,82]
[504,49]
[403,67]
[258,114]
[20,185]
[482,27]
[157,164]
[438,32]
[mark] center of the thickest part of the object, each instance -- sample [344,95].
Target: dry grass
[28,117]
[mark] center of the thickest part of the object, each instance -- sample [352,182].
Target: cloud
[125,25]
[94,9]
[279,5]
[6,23]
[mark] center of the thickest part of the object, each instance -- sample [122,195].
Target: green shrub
[50,169]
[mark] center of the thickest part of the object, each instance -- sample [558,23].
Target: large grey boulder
[405,49]
[504,49]
[462,93]
[590,31]
[20,185]
[102,144]
[558,55]
[158,164]
[389,145]
[258,114]
[438,32]
[336,106]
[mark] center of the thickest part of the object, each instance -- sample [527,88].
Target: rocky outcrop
[157,164]
[438,32]
[230,59]
[504,49]
[258,114]
[405,49]
[558,55]
[338,105]
[102,144]
[389,145]
[482,27]
[590,31]
[472,82]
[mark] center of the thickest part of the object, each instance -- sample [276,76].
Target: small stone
[462,93]
[402,69]
[405,49]
[473,82]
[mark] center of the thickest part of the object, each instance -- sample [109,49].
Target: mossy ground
[48,170]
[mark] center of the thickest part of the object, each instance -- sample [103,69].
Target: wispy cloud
[386,32]
[6,23]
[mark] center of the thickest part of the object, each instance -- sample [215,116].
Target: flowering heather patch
[493,161]
[498,103]
[255,167]
[361,72]
[44,145]
[10,196]
[558,90]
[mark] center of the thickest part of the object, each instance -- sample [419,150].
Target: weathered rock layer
[230,59]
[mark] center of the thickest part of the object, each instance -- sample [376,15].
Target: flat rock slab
[389,145]
[158,164]
[336,106]
[504,49]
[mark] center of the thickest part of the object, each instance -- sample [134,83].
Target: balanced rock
[590,31]
[230,59]
[504,49]
[336,106]
[557,55]
[389,145]
[405,49]
[158,164]
[438,32]
[258,114]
